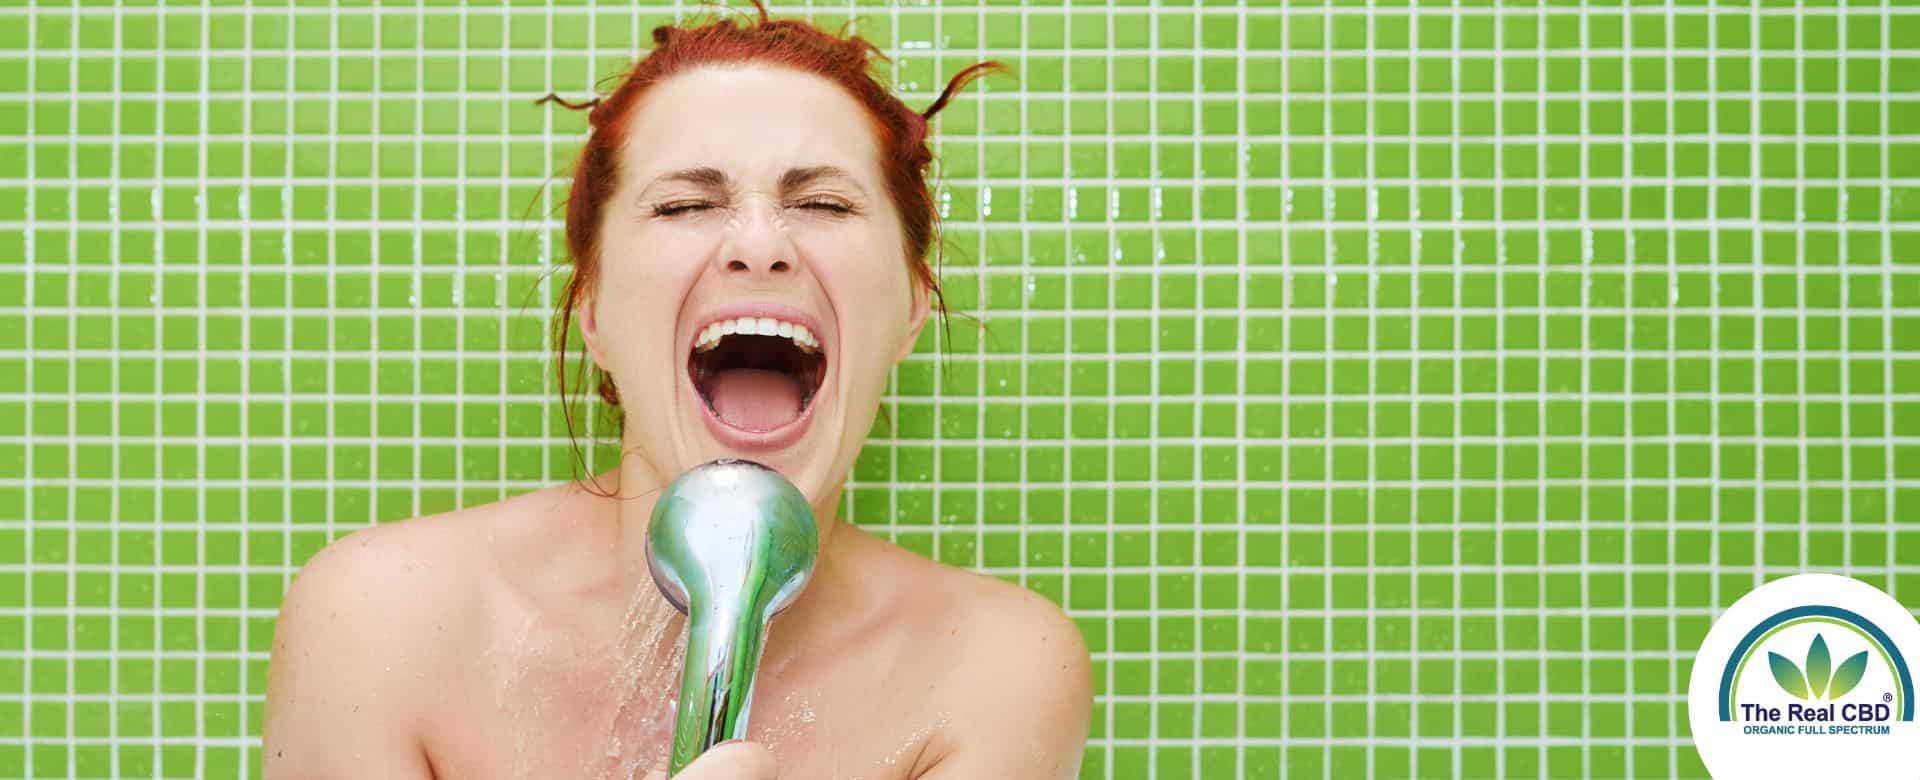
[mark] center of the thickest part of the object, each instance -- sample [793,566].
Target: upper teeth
[756,326]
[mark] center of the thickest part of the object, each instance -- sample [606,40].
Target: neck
[636,485]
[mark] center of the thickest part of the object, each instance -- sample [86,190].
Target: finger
[735,760]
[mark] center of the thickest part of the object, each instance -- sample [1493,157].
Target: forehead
[753,121]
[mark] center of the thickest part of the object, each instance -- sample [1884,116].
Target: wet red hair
[901,133]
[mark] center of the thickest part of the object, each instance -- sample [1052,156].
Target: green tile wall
[1389,389]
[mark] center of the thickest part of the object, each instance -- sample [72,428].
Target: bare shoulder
[1006,620]
[1015,676]
[378,578]
[389,576]
[1026,645]
[363,626]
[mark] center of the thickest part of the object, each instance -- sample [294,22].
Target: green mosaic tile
[1449,304]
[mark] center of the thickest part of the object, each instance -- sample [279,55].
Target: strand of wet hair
[552,97]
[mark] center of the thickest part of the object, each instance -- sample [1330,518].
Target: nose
[757,243]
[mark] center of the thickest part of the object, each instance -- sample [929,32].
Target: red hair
[901,133]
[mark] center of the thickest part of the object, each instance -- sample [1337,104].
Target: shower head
[731,544]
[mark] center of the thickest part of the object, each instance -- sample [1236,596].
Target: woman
[750,225]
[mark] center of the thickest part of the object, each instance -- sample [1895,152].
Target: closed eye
[828,205]
[672,209]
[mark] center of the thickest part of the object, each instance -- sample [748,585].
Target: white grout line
[1887,261]
[30,242]
[200,416]
[245,422]
[114,527]
[1242,504]
[72,507]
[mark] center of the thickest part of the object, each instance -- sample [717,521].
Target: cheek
[639,300]
[870,301]
[855,271]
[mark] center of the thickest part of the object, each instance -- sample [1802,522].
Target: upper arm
[338,702]
[1023,697]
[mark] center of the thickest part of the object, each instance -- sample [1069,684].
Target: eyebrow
[712,178]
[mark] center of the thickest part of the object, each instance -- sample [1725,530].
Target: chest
[543,707]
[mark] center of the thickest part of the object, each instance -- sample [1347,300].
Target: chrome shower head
[731,543]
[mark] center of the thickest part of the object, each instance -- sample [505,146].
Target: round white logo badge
[1808,676]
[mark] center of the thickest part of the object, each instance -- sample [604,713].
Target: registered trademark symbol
[1886,697]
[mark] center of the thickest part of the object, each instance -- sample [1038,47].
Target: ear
[916,318]
[586,314]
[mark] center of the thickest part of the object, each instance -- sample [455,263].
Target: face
[751,195]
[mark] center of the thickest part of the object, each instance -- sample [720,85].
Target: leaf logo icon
[1820,676]
[1788,675]
[1848,675]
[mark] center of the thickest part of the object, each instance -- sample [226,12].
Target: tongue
[754,399]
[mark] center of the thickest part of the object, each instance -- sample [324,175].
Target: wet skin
[496,642]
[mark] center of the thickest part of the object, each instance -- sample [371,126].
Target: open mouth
[757,382]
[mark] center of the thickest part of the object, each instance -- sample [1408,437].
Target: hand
[732,760]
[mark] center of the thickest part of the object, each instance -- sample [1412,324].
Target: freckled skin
[525,638]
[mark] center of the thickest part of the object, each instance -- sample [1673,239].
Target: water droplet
[986,200]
